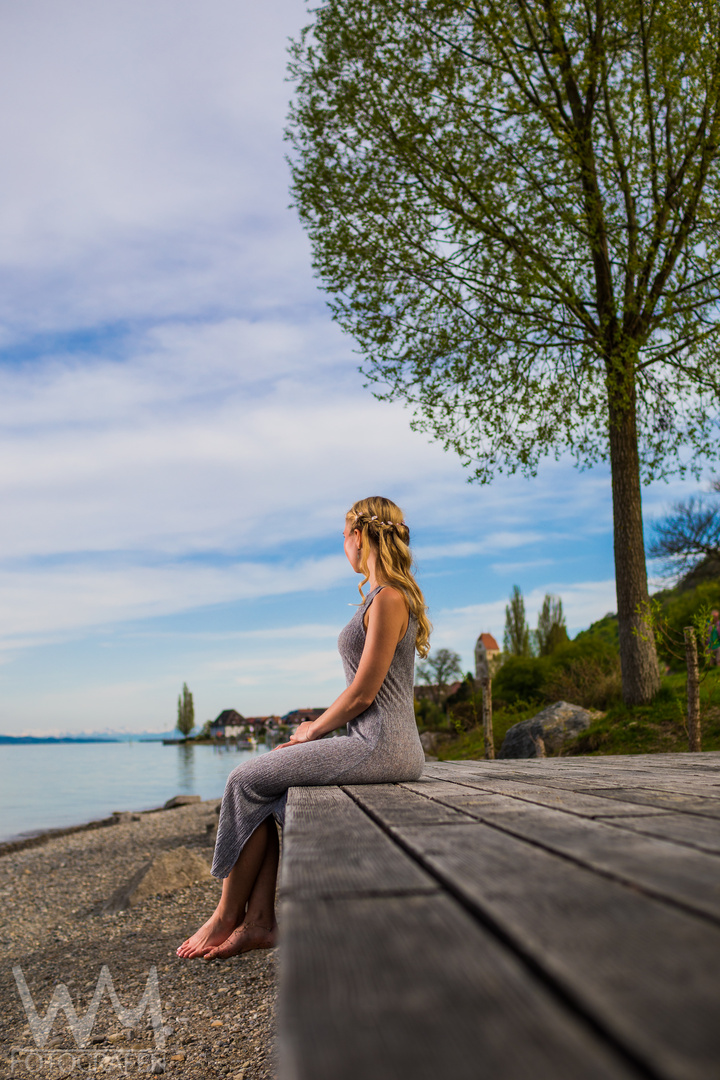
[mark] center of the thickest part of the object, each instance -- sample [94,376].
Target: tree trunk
[638,659]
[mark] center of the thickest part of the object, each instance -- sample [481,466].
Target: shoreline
[42,836]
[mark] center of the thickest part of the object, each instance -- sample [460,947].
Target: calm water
[50,786]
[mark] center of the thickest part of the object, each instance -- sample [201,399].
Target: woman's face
[352,546]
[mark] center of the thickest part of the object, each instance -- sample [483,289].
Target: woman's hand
[303,734]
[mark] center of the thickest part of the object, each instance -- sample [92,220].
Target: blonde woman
[378,648]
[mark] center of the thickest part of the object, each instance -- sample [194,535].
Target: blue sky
[182,425]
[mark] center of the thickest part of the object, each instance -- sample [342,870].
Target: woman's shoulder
[391,598]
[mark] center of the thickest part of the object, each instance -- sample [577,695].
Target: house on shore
[298,716]
[228,725]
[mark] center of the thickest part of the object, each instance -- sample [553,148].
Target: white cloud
[38,601]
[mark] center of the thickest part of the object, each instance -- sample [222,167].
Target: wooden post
[693,688]
[486,684]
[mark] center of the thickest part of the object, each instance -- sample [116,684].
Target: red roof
[489,642]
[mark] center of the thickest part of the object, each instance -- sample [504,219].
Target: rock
[430,740]
[165,873]
[181,800]
[545,733]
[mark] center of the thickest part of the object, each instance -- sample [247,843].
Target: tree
[514,208]
[438,670]
[551,630]
[688,535]
[186,712]
[516,639]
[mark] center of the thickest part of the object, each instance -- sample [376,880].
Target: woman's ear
[358,537]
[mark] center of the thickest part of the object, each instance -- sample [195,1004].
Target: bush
[521,679]
[584,672]
[585,682]
[429,716]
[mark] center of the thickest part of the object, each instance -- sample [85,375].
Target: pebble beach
[218,1016]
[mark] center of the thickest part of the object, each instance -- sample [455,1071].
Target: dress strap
[373,593]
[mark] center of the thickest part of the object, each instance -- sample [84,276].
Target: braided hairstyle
[381,527]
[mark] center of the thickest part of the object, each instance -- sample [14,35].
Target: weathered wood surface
[505,920]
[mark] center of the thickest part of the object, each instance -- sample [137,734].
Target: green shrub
[584,672]
[521,678]
[429,716]
[585,682]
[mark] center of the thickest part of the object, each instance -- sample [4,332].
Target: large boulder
[165,873]
[545,733]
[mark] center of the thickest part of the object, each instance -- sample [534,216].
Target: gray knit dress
[382,746]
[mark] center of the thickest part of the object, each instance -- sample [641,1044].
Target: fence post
[486,684]
[693,688]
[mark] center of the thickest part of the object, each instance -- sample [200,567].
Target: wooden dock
[553,919]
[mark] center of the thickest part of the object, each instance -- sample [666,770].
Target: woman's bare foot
[210,934]
[244,938]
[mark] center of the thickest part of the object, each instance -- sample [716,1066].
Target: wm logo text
[81,1028]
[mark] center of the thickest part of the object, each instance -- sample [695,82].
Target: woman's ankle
[264,919]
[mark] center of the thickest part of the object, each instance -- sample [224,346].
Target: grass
[658,728]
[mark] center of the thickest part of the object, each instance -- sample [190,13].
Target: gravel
[218,1016]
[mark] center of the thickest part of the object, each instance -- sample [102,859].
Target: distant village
[231,724]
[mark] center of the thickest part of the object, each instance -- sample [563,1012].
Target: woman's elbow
[363,698]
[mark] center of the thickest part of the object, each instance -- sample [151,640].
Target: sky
[182,425]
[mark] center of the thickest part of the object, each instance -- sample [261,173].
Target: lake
[55,785]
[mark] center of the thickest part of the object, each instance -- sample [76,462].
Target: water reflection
[186,768]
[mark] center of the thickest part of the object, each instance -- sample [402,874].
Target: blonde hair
[381,526]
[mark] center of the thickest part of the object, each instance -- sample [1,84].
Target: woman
[382,746]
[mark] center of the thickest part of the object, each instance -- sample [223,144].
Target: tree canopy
[503,195]
[689,534]
[551,630]
[515,208]
[185,712]
[438,670]
[516,637]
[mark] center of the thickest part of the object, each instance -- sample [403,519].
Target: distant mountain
[15,739]
[89,736]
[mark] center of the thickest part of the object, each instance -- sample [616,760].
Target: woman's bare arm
[387,620]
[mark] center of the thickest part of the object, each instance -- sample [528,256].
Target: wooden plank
[621,955]
[673,871]
[398,988]
[332,848]
[698,832]
[554,771]
[654,797]
[581,803]
[687,804]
